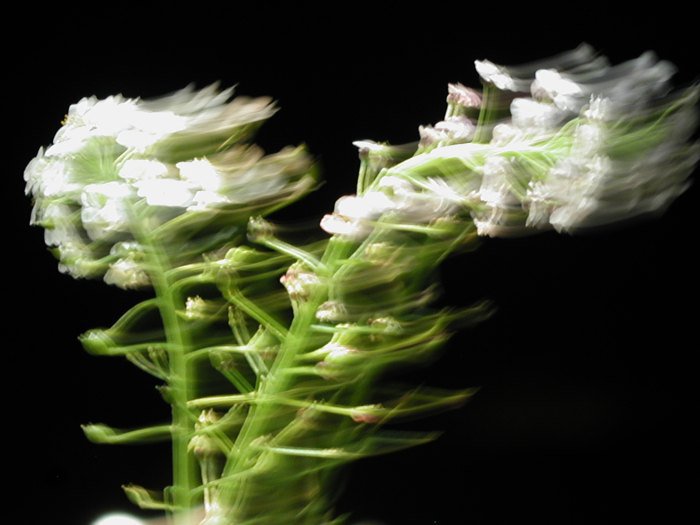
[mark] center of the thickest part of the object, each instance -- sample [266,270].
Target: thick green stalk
[180,382]
[276,382]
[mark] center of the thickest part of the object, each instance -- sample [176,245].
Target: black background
[586,410]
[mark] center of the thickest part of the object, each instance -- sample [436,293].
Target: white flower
[353,214]
[299,282]
[535,117]
[112,163]
[93,118]
[331,312]
[447,193]
[629,86]
[369,206]
[397,197]
[58,219]
[105,209]
[572,195]
[336,354]
[197,308]
[463,96]
[76,259]
[376,157]
[140,169]
[208,200]
[188,100]
[126,273]
[599,109]
[575,215]
[563,92]
[589,140]
[345,227]
[490,227]
[518,78]
[495,187]
[49,177]
[127,249]
[69,146]
[452,130]
[157,123]
[200,173]
[505,134]
[110,116]
[166,192]
[259,181]
[366,147]
[499,76]
[539,205]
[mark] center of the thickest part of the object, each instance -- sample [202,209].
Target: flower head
[121,169]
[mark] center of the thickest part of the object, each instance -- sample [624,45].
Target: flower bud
[299,282]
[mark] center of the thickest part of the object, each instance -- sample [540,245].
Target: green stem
[294,343]
[180,383]
[495,105]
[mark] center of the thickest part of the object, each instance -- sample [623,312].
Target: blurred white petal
[140,169]
[166,192]
[126,273]
[200,173]
[105,209]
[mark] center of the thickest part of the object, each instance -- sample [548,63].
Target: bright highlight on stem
[278,359]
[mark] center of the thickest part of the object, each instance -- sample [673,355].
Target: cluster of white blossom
[593,144]
[120,168]
[584,144]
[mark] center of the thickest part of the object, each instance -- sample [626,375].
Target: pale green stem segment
[494,106]
[276,382]
[184,477]
[180,381]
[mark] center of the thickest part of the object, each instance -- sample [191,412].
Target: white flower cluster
[458,126]
[586,144]
[119,167]
[396,198]
[592,145]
